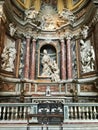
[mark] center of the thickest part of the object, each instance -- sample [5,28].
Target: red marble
[69,59]
[63,60]
[27,58]
[33,59]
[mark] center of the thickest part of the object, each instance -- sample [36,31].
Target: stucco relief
[8,56]
[66,14]
[31,13]
[86,51]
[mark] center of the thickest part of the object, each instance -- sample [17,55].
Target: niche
[51,52]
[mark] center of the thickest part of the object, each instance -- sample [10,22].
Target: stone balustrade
[17,112]
[14,112]
[81,111]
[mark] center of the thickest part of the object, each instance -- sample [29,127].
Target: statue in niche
[13,29]
[50,68]
[87,56]
[46,61]
[8,57]
[31,13]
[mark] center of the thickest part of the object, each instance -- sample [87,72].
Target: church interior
[49,64]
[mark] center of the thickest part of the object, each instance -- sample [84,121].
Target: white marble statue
[87,56]
[8,57]
[13,29]
[55,75]
[46,61]
[50,68]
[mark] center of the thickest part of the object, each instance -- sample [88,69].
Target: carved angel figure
[67,15]
[31,13]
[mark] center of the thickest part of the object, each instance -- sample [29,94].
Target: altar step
[80,126]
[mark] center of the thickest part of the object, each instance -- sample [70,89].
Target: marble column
[63,60]
[33,59]
[27,58]
[18,43]
[69,57]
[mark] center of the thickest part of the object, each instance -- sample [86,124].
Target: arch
[51,51]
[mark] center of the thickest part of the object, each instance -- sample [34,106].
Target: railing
[72,112]
[14,112]
[81,111]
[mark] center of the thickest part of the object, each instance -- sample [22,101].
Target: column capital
[68,36]
[27,36]
[61,40]
[33,40]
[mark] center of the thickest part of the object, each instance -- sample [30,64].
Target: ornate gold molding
[73,7]
[24,5]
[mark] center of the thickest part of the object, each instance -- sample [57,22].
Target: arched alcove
[51,52]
